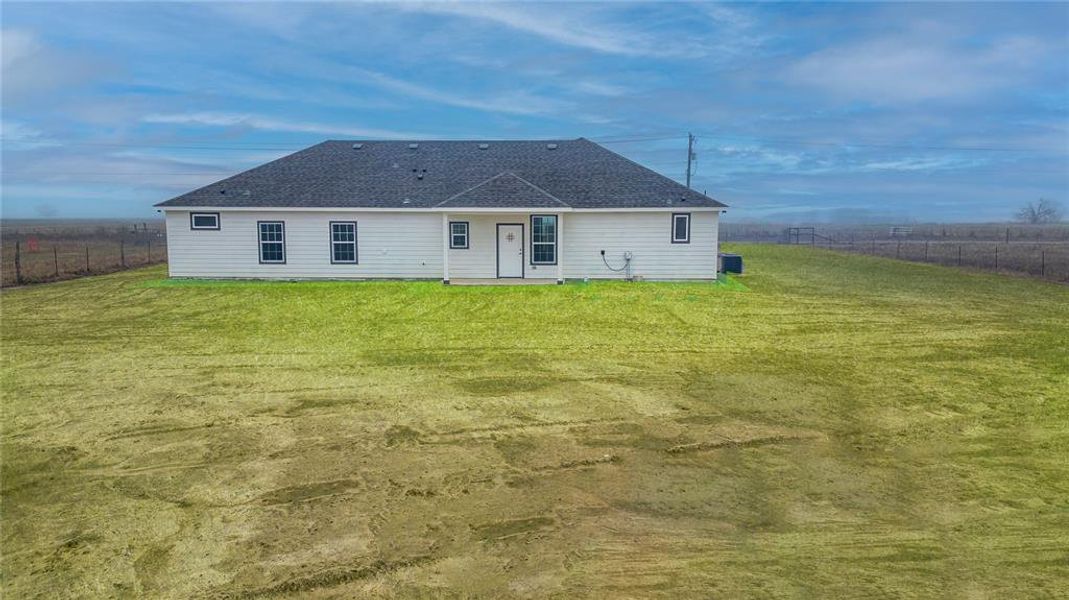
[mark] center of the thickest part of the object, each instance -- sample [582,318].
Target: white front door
[509,250]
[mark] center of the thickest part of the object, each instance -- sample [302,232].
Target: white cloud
[517,102]
[17,46]
[572,25]
[916,67]
[921,164]
[225,119]
[599,88]
[31,69]
[552,24]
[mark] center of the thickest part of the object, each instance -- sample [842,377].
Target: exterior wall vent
[551,146]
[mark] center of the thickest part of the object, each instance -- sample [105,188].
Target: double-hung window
[543,239]
[458,235]
[201,220]
[680,228]
[272,241]
[343,242]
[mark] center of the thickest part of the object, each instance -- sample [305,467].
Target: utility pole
[690,154]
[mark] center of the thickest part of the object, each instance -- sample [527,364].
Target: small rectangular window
[458,235]
[204,220]
[543,239]
[272,241]
[343,242]
[681,228]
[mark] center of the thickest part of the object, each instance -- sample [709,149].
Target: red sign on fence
[31,244]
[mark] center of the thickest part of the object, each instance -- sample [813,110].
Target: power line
[51,143]
[61,173]
[847,144]
[878,145]
[600,139]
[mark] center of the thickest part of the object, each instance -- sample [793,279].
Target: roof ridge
[476,186]
[551,196]
[498,176]
[455,140]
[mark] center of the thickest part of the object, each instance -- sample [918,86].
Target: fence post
[87,258]
[898,250]
[1042,263]
[18,263]
[996,257]
[55,259]
[122,253]
[959,255]
[150,251]
[925,250]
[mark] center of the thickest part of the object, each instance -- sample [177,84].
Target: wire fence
[1034,250]
[1047,260]
[29,259]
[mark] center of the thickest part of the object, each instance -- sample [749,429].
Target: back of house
[549,210]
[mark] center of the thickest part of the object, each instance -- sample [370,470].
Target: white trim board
[456,210]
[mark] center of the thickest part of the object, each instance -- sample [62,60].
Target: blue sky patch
[886,112]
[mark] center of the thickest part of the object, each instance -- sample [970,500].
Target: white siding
[409,245]
[648,236]
[480,259]
[389,245]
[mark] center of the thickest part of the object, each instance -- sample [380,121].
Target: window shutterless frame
[459,230]
[343,243]
[680,225]
[204,220]
[271,238]
[538,241]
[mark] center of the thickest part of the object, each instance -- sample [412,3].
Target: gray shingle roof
[502,190]
[455,174]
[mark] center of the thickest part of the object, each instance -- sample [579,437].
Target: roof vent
[223,192]
[413,146]
[551,146]
[246,193]
[406,201]
[357,146]
[483,146]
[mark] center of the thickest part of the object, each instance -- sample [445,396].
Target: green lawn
[836,426]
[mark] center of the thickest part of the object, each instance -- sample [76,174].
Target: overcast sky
[830,111]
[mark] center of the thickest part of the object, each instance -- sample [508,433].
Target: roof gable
[504,190]
[426,174]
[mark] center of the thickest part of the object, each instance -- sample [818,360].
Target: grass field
[842,426]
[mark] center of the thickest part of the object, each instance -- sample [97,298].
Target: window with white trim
[272,241]
[203,220]
[458,235]
[343,242]
[680,228]
[543,239]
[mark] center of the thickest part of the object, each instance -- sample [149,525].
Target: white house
[549,210]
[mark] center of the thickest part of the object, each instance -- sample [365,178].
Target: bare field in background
[53,250]
[1033,250]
